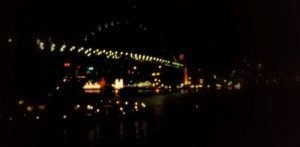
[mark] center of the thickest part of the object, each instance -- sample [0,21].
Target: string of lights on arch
[108,53]
[113,24]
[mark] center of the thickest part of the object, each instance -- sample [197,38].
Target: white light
[119,84]
[237,86]
[72,48]
[41,44]
[89,107]
[214,76]
[143,105]
[64,116]
[77,107]
[52,47]
[62,48]
[21,102]
[29,108]
[81,49]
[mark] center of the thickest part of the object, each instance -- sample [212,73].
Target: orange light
[66,64]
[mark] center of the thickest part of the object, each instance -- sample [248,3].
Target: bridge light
[52,47]
[62,48]
[72,48]
[81,49]
[41,45]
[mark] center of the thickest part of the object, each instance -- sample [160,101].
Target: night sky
[211,32]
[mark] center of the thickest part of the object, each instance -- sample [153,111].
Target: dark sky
[207,31]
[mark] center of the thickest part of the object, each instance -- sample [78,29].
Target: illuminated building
[119,84]
[90,85]
[186,80]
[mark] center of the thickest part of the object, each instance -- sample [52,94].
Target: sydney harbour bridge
[117,49]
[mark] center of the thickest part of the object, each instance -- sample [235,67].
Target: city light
[89,107]
[237,86]
[64,116]
[29,108]
[67,64]
[77,107]
[119,84]
[98,110]
[41,107]
[21,102]
[89,85]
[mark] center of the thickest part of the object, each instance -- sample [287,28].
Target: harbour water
[262,116]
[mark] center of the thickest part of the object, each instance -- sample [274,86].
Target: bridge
[114,54]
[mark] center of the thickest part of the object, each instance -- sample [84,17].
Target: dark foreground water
[265,116]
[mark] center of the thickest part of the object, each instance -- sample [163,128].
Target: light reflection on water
[108,129]
[103,133]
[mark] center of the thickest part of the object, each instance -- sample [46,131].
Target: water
[264,116]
